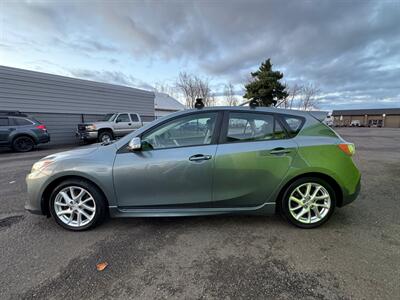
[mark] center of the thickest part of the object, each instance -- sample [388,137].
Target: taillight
[41,127]
[347,148]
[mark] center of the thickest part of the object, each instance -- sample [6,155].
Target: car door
[122,124]
[174,167]
[135,122]
[252,158]
[4,130]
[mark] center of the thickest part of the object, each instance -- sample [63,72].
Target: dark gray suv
[21,132]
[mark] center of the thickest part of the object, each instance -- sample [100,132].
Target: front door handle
[199,157]
[279,151]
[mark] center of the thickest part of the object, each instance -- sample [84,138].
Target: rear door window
[22,122]
[134,118]
[248,127]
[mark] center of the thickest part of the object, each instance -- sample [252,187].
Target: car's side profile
[21,132]
[221,160]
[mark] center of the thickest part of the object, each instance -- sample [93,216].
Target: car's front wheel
[308,202]
[105,136]
[77,205]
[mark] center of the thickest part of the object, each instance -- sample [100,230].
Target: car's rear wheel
[308,202]
[105,136]
[77,205]
[23,144]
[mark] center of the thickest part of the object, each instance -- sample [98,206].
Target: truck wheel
[105,136]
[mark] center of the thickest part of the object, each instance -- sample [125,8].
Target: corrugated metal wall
[62,127]
[59,102]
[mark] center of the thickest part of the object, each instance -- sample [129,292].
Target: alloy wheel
[74,206]
[309,203]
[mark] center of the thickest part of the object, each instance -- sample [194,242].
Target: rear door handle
[279,151]
[199,157]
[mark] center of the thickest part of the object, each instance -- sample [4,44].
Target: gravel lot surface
[355,255]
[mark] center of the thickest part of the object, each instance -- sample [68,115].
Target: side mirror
[135,144]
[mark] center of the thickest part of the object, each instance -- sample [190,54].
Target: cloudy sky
[349,49]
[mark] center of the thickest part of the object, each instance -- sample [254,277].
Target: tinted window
[22,122]
[253,127]
[3,121]
[134,118]
[191,130]
[123,118]
[293,123]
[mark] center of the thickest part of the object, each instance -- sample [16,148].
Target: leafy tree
[265,86]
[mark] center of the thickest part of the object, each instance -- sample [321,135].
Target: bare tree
[187,85]
[229,94]
[293,93]
[163,87]
[193,87]
[308,98]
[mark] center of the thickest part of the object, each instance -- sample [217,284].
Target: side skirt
[117,212]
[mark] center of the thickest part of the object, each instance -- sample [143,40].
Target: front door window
[192,130]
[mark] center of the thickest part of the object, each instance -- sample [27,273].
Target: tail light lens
[347,148]
[41,127]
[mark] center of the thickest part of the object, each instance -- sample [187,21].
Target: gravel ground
[355,255]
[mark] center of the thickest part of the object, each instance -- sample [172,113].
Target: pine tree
[265,86]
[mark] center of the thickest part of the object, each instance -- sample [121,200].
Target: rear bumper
[87,135]
[347,199]
[44,139]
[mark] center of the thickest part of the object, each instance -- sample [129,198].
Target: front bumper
[35,183]
[87,135]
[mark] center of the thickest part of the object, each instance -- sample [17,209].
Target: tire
[60,208]
[23,144]
[303,214]
[105,136]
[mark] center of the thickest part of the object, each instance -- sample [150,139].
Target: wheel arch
[330,180]
[20,134]
[108,129]
[47,191]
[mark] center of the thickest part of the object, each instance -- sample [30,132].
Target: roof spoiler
[319,115]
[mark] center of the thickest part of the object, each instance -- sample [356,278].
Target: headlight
[41,165]
[90,127]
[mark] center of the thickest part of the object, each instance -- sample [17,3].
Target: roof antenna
[199,103]
[253,103]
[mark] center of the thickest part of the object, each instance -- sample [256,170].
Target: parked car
[269,160]
[375,123]
[21,132]
[355,123]
[329,120]
[112,126]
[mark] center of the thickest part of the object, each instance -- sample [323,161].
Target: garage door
[392,121]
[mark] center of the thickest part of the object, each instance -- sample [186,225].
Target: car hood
[73,153]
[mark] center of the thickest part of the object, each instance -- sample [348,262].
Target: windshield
[109,117]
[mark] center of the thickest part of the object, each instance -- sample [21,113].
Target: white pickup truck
[113,125]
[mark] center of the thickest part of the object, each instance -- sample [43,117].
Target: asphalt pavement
[355,255]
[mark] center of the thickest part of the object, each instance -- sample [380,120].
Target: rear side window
[294,124]
[134,118]
[247,127]
[22,122]
[3,121]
